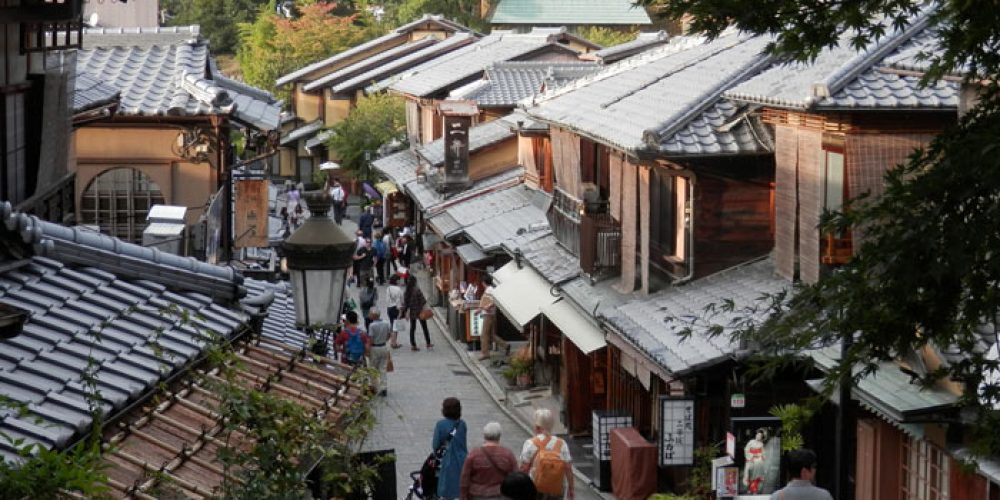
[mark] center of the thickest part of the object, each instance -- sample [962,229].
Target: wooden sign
[251,213]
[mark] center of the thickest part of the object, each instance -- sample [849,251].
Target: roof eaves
[340,56]
[369,64]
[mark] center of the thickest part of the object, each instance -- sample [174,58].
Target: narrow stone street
[420,382]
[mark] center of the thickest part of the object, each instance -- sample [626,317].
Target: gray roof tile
[377,79]
[369,63]
[468,62]
[505,84]
[642,42]
[90,93]
[651,101]
[654,324]
[396,36]
[842,77]
[551,260]
[569,12]
[399,167]
[302,132]
[480,136]
[428,199]
[146,36]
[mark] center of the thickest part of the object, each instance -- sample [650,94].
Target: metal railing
[564,219]
[600,243]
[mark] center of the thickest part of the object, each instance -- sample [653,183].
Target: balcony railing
[564,219]
[56,204]
[600,243]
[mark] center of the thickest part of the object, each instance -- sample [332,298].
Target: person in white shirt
[394,296]
[337,195]
[543,421]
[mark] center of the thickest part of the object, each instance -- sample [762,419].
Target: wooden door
[578,397]
[865,474]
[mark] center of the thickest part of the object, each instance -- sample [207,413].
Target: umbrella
[329,165]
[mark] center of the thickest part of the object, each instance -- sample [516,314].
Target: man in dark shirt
[366,222]
[363,258]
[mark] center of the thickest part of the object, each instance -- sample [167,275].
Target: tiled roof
[170,80]
[480,136]
[380,78]
[458,217]
[461,65]
[145,37]
[306,130]
[94,297]
[551,260]
[507,83]
[642,42]
[370,63]
[173,446]
[845,78]
[255,107]
[888,391]
[642,102]
[470,253]
[394,37]
[428,199]
[569,12]
[707,134]
[399,167]
[654,324]
[510,230]
[90,93]
[319,139]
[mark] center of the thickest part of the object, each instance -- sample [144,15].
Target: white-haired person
[546,458]
[486,467]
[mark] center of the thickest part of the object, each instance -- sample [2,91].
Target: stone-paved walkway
[422,379]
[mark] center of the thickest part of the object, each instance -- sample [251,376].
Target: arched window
[118,201]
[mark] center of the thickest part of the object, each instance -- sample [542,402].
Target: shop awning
[470,253]
[522,294]
[575,326]
[386,188]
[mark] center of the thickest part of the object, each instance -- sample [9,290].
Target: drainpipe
[689,222]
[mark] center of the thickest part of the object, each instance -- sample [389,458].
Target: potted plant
[520,367]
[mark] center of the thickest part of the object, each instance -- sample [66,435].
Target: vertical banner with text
[251,213]
[676,444]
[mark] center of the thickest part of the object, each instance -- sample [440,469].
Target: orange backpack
[550,468]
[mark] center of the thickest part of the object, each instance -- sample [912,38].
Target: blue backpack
[380,248]
[355,345]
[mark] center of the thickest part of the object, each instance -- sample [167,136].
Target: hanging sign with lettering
[676,444]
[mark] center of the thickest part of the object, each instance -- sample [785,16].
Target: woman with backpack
[450,432]
[381,257]
[546,458]
[486,467]
[413,303]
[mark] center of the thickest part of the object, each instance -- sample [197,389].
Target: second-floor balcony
[589,233]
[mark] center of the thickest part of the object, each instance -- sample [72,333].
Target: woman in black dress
[414,302]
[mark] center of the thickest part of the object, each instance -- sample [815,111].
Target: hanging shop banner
[758,455]
[676,444]
[251,213]
[456,151]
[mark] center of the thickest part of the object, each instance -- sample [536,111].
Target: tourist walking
[379,331]
[802,468]
[390,244]
[366,221]
[352,342]
[381,257]
[368,297]
[486,467]
[338,197]
[394,301]
[547,460]
[414,302]
[487,308]
[451,430]
[363,261]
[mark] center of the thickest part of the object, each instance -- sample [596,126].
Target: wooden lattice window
[118,202]
[923,471]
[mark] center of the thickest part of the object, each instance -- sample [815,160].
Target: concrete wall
[151,151]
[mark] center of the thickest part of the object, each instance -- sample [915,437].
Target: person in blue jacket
[454,456]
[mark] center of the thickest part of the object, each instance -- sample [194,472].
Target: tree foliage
[606,37]
[378,120]
[925,273]
[218,19]
[273,46]
[465,12]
